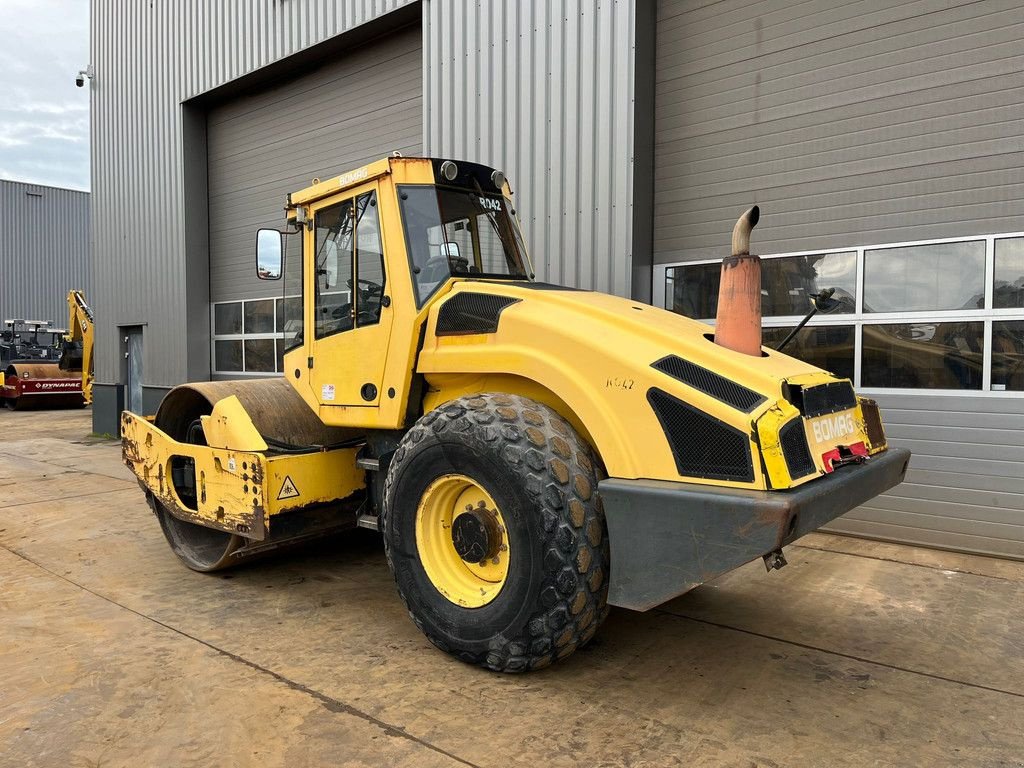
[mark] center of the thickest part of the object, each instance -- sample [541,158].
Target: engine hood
[610,361]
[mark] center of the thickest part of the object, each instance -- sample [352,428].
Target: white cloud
[44,117]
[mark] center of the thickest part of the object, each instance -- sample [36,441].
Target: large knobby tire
[542,477]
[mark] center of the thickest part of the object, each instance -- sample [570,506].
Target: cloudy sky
[44,118]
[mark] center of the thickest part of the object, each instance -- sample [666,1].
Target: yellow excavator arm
[78,341]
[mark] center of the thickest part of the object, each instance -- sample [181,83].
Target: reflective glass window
[692,290]
[227,318]
[289,320]
[259,316]
[830,347]
[1008,287]
[333,310]
[925,277]
[1008,355]
[227,355]
[946,355]
[369,260]
[259,355]
[787,284]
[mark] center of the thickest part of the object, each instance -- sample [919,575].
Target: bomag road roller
[530,453]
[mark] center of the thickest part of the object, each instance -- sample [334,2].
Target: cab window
[369,288]
[332,274]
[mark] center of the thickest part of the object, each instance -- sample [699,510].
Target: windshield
[451,231]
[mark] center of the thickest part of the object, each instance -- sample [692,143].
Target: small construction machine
[530,453]
[48,374]
[30,374]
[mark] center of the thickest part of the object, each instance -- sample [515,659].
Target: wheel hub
[476,535]
[462,540]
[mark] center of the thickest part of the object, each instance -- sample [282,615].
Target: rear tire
[542,477]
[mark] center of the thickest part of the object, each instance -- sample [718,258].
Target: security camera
[83,75]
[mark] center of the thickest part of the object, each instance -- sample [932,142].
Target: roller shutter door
[856,124]
[338,116]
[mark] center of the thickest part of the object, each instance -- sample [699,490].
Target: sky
[44,117]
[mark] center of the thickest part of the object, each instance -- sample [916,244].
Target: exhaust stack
[738,322]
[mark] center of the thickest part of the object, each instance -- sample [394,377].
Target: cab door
[352,314]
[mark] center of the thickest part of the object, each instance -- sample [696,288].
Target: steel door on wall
[131,338]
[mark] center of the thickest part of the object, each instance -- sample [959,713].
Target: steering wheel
[372,292]
[370,289]
[435,270]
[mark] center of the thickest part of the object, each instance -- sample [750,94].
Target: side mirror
[823,301]
[269,254]
[451,250]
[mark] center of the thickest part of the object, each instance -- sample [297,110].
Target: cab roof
[421,170]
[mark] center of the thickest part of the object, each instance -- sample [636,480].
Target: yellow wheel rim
[470,584]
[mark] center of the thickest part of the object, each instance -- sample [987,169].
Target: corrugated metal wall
[543,91]
[148,59]
[965,487]
[265,145]
[45,250]
[849,123]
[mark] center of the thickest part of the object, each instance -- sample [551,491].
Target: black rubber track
[544,477]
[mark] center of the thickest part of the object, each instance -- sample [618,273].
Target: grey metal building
[882,141]
[44,250]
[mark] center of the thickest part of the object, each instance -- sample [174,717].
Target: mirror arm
[824,295]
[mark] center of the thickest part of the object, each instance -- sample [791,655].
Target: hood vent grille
[702,446]
[710,383]
[468,312]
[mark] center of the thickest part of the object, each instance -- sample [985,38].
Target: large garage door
[323,122]
[888,133]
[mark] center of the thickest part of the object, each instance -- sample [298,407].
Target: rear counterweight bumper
[667,538]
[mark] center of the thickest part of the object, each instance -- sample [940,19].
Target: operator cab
[379,246]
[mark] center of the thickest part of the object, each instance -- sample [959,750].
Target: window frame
[278,335]
[661,296]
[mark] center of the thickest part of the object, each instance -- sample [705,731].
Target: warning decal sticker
[288,489]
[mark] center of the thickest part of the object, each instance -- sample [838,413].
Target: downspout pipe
[738,322]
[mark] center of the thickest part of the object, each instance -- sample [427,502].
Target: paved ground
[111,653]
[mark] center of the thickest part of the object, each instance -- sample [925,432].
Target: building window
[787,284]
[259,317]
[1008,356]
[831,347]
[919,278]
[227,319]
[937,315]
[252,336]
[923,355]
[227,355]
[1008,287]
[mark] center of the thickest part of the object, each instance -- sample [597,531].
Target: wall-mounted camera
[83,75]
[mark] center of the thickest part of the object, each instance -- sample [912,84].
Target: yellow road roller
[531,454]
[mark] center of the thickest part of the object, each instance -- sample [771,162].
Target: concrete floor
[111,653]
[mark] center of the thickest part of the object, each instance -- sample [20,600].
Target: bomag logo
[352,176]
[831,428]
